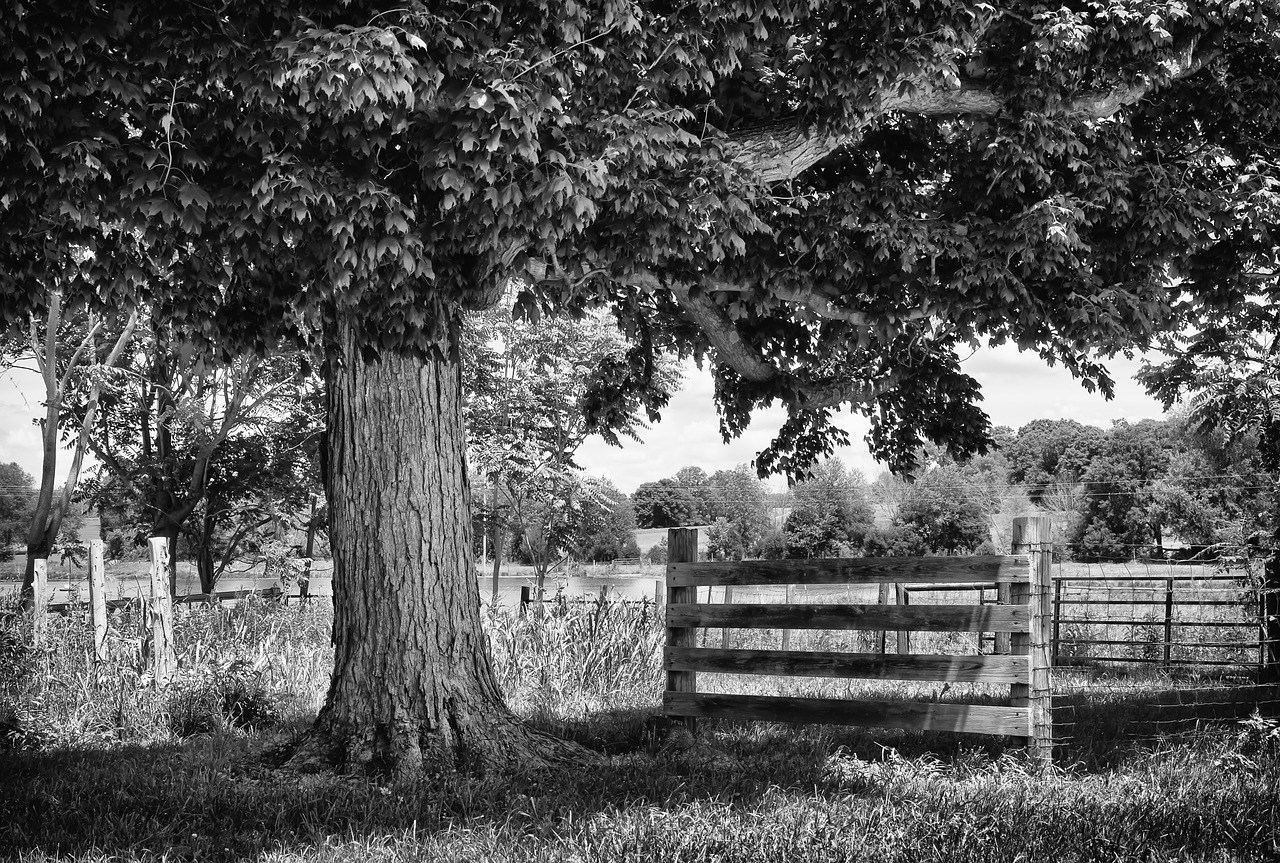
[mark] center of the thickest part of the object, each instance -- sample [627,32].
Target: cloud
[1017,388]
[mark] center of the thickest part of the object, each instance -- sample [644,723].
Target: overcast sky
[1018,388]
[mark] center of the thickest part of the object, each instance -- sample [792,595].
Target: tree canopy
[825,200]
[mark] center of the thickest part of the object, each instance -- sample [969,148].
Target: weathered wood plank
[1035,535]
[987,569]
[919,716]
[682,545]
[921,618]
[871,666]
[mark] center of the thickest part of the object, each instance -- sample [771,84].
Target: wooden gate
[1023,583]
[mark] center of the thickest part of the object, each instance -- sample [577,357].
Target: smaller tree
[725,540]
[665,503]
[943,514]
[606,524]
[17,503]
[830,510]
[739,497]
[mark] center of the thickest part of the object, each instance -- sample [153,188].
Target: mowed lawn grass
[103,768]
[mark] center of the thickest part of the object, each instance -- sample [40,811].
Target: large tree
[822,199]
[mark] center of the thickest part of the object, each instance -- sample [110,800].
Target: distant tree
[773,544]
[1046,452]
[741,498]
[606,524]
[1158,478]
[665,503]
[73,347]
[830,509]
[942,512]
[894,541]
[531,386]
[697,483]
[725,540]
[17,503]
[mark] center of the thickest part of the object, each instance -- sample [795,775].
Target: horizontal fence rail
[1021,619]
[992,569]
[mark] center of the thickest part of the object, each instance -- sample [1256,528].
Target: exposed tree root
[502,745]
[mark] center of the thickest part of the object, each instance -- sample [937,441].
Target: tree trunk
[413,688]
[204,566]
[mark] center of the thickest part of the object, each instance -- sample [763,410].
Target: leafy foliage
[530,385]
[938,510]
[17,501]
[830,510]
[666,503]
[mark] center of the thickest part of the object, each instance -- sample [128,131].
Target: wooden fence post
[883,599]
[1004,596]
[1032,535]
[98,601]
[728,600]
[682,547]
[789,596]
[901,596]
[164,660]
[40,602]
[1168,621]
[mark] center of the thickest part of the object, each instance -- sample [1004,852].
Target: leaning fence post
[1032,535]
[164,660]
[98,601]
[682,547]
[39,602]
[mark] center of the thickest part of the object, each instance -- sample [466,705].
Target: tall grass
[112,770]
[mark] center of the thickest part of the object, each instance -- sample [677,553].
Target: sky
[1018,388]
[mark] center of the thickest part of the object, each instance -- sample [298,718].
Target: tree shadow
[219,797]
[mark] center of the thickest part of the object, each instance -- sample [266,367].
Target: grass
[106,769]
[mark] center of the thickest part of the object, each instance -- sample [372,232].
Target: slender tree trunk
[413,688]
[204,562]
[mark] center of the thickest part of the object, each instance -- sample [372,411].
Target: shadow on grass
[216,798]
[1100,726]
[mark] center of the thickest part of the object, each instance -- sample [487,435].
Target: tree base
[502,746]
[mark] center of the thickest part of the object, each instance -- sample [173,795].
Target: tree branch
[745,359]
[781,152]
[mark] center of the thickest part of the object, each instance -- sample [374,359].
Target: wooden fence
[1023,583]
[157,637]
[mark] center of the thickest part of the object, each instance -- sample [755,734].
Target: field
[103,768]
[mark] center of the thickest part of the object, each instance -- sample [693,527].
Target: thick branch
[782,152]
[745,359]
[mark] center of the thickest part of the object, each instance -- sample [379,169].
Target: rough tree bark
[413,689]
